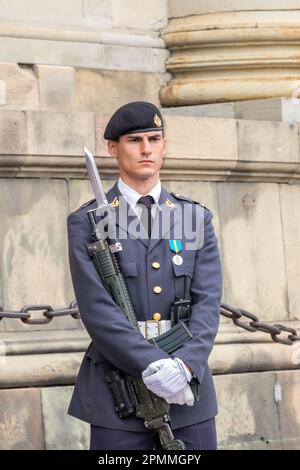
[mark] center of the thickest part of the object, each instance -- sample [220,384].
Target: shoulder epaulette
[185,198]
[84,205]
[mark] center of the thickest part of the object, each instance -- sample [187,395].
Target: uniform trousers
[200,436]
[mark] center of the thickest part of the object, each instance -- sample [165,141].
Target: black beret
[138,116]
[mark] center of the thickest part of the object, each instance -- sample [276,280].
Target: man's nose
[146,147]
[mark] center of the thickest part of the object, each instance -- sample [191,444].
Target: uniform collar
[166,203]
[133,196]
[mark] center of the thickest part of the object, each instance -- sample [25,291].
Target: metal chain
[48,313]
[239,317]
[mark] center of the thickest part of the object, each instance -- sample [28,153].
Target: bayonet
[95,180]
[105,228]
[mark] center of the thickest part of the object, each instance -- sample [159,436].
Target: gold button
[157,289]
[156,265]
[156,316]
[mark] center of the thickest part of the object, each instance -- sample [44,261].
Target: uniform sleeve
[206,292]
[105,322]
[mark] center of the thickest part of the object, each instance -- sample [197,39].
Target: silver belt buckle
[152,329]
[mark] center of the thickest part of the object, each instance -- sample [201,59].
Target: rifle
[130,393]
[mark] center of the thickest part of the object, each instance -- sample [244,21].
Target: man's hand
[167,377]
[185,397]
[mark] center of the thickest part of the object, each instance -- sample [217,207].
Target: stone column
[231,50]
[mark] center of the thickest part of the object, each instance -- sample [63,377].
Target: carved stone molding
[34,144]
[112,49]
[229,56]
[174,169]
[45,358]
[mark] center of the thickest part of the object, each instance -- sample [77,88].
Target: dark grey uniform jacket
[115,344]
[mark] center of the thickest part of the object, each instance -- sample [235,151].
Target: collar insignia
[170,203]
[115,202]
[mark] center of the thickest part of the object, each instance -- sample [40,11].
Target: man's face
[140,154]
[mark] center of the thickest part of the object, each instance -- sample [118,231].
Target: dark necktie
[146,218]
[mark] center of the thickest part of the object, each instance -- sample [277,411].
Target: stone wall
[107,35]
[70,55]
[60,88]
[250,417]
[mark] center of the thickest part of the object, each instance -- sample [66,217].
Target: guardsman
[161,262]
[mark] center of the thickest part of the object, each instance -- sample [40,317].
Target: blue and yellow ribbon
[175,246]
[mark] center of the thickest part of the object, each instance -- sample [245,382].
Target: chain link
[239,317]
[48,313]
[255,325]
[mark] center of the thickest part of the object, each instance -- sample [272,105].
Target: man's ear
[112,148]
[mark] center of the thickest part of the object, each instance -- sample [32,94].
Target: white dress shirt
[133,196]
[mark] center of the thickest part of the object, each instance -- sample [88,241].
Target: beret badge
[157,120]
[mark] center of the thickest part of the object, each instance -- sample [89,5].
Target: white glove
[166,377]
[184,368]
[185,397]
